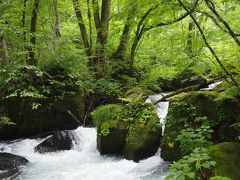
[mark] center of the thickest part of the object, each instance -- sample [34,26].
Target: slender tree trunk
[103,34]
[96,15]
[82,27]
[4,57]
[23,24]
[124,39]
[105,17]
[190,39]
[32,59]
[209,46]
[90,26]
[57,21]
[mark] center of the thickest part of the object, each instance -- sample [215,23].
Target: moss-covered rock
[111,137]
[195,109]
[183,79]
[40,101]
[187,78]
[143,140]
[227,157]
[50,116]
[134,132]
[223,86]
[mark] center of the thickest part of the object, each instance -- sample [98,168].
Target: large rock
[143,140]
[111,137]
[50,116]
[187,78]
[135,132]
[9,164]
[227,157]
[219,111]
[62,140]
[183,79]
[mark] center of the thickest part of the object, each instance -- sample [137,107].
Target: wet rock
[9,164]
[227,158]
[62,140]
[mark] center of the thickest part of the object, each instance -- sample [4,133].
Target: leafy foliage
[190,138]
[29,82]
[197,165]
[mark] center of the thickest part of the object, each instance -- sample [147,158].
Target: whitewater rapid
[83,162]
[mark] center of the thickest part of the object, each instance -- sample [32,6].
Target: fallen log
[187,89]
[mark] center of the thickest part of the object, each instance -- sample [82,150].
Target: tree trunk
[23,25]
[103,35]
[124,39]
[32,59]
[82,27]
[190,39]
[4,57]
[57,21]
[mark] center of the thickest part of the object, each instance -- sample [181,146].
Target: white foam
[83,162]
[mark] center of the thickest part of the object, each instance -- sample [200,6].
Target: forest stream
[84,160]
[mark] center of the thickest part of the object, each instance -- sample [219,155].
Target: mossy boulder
[223,86]
[38,101]
[183,79]
[143,140]
[111,137]
[133,132]
[227,157]
[194,109]
[187,78]
[50,116]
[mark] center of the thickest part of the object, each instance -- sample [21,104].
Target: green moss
[227,156]
[106,112]
[111,137]
[143,139]
[223,86]
[137,90]
[135,130]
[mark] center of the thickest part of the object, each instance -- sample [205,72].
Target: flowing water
[84,162]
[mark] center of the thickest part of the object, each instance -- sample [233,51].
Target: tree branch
[208,45]
[227,26]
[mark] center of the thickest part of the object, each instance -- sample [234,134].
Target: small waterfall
[162,107]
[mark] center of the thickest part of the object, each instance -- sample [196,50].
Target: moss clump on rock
[227,157]
[105,112]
